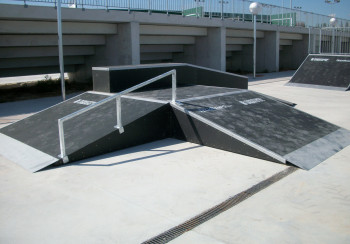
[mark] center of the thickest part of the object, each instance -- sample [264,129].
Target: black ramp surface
[323,71]
[274,128]
[39,132]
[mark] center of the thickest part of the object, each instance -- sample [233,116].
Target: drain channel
[218,209]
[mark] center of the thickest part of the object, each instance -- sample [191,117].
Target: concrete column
[120,49]
[210,50]
[267,52]
[128,43]
[300,51]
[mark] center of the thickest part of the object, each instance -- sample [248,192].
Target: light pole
[254,8]
[60,48]
[333,23]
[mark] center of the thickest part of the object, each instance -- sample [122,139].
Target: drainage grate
[218,209]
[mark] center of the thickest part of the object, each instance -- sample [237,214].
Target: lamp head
[333,22]
[255,8]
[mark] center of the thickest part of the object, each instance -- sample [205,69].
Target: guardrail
[335,40]
[237,10]
[117,96]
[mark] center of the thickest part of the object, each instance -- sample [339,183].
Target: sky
[341,10]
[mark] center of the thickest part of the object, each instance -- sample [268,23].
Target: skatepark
[138,193]
[179,152]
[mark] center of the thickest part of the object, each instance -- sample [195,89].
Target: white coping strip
[211,96]
[24,155]
[130,97]
[232,134]
[336,88]
[101,93]
[145,99]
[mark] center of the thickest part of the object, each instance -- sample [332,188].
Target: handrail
[117,96]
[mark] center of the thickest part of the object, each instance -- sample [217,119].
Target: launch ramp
[323,71]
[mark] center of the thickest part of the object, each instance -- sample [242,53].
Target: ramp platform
[227,118]
[323,71]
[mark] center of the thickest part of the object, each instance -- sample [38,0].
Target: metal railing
[334,40]
[117,97]
[236,10]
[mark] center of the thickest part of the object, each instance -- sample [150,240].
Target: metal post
[340,42]
[243,10]
[129,6]
[233,10]
[119,125]
[63,154]
[309,40]
[183,7]
[197,5]
[320,42]
[210,12]
[149,6]
[60,48]
[107,5]
[282,13]
[222,9]
[254,49]
[333,39]
[167,7]
[173,86]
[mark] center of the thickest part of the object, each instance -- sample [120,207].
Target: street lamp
[333,22]
[255,8]
[60,48]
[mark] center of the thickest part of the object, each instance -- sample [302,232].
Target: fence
[334,40]
[236,10]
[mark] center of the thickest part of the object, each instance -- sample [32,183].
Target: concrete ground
[135,194]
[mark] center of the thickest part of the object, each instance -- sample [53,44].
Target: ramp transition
[227,118]
[323,71]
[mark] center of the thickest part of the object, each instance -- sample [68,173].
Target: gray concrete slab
[132,195]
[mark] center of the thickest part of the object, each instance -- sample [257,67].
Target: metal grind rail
[117,97]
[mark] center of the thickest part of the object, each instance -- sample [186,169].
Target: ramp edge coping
[335,88]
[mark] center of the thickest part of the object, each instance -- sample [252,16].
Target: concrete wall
[104,38]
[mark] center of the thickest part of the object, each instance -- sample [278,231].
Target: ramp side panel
[322,71]
[25,156]
[155,125]
[97,123]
